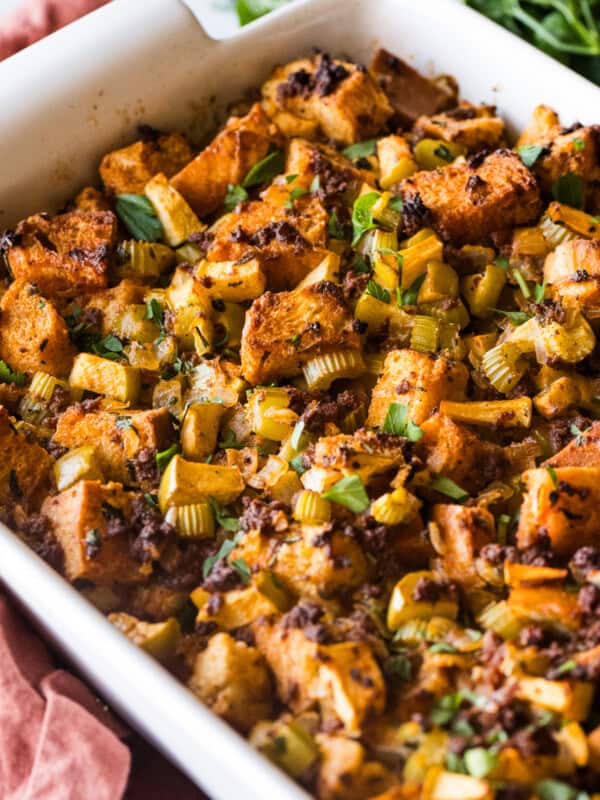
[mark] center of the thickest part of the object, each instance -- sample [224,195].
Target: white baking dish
[68,100]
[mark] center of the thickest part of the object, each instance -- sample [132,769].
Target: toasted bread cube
[118,439]
[418,380]
[441,784]
[159,639]
[573,271]
[344,99]
[345,773]
[232,679]
[309,569]
[216,379]
[177,219]
[237,608]
[200,430]
[33,335]
[128,170]
[283,331]
[456,452]
[65,255]
[464,530]
[543,126]
[79,517]
[582,451]
[474,127]
[109,305]
[232,281]
[575,153]
[91,199]
[184,482]
[564,503]
[227,160]
[344,678]
[309,159]
[287,245]
[362,453]
[411,94]
[570,699]
[465,203]
[103,376]
[25,467]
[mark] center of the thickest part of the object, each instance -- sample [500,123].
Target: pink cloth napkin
[34,19]
[58,742]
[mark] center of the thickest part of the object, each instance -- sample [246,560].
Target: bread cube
[418,380]
[573,271]
[108,305]
[577,153]
[342,97]
[24,469]
[474,127]
[467,201]
[128,170]
[283,331]
[118,439]
[80,518]
[411,94]
[65,255]
[227,160]
[464,530]
[459,454]
[185,482]
[543,125]
[345,773]
[582,451]
[564,503]
[232,679]
[33,335]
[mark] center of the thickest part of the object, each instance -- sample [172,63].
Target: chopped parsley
[574,430]
[362,215]
[155,313]
[530,153]
[235,195]
[578,145]
[294,195]
[222,516]
[441,151]
[568,189]
[336,230]
[164,457]
[230,442]
[410,295]
[265,170]
[377,291]
[7,375]
[361,150]
[479,761]
[223,553]
[449,488]
[398,422]
[518,317]
[442,647]
[552,472]
[137,213]
[349,492]
[502,262]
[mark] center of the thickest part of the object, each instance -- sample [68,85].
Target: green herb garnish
[235,195]
[137,213]
[449,488]
[360,149]
[350,493]
[362,215]
[398,422]
[164,457]
[530,153]
[568,189]
[378,292]
[7,375]
[265,170]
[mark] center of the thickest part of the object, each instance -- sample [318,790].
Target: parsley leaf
[449,488]
[377,291]
[265,170]
[502,262]
[227,547]
[565,667]
[409,297]
[442,647]
[137,213]
[235,195]
[154,312]
[574,430]
[362,215]
[250,10]
[551,789]
[568,189]
[398,422]
[518,317]
[530,153]
[441,151]
[110,347]
[7,375]
[297,465]
[479,761]
[164,457]
[294,195]
[552,472]
[578,145]
[398,666]
[350,493]
[360,149]
[230,442]
[539,290]
[222,516]
[336,230]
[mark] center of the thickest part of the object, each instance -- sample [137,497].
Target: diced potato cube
[232,281]
[102,376]
[571,699]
